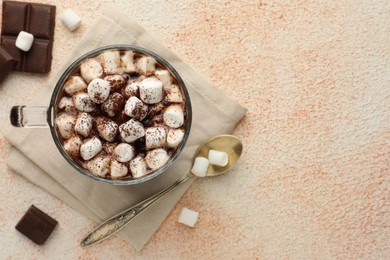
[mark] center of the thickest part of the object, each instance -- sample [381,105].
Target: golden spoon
[225,143]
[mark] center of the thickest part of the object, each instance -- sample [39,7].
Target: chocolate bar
[6,63]
[36,225]
[37,19]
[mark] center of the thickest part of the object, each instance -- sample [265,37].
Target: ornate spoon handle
[119,221]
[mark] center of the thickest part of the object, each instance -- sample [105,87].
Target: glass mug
[44,117]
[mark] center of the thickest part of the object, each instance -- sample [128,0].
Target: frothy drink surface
[121,114]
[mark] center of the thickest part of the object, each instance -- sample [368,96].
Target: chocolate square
[36,225]
[37,19]
[6,63]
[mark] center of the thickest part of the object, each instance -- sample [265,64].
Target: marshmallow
[156,158]
[174,94]
[218,158]
[65,123]
[200,166]
[90,148]
[66,104]
[99,166]
[131,130]
[165,77]
[84,124]
[113,104]
[118,170]
[174,116]
[154,109]
[174,137]
[72,146]
[82,102]
[146,65]
[24,41]
[91,69]
[138,167]
[74,84]
[188,217]
[128,61]
[116,81]
[131,89]
[70,19]
[111,61]
[123,152]
[155,137]
[107,128]
[109,147]
[136,108]
[98,90]
[151,90]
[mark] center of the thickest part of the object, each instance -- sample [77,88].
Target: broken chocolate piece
[36,225]
[37,19]
[7,62]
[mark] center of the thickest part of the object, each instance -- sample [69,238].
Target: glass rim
[125,181]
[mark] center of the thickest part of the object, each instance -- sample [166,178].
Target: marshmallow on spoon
[70,19]
[111,61]
[218,158]
[156,158]
[74,84]
[98,90]
[146,65]
[123,152]
[174,137]
[155,137]
[151,90]
[90,148]
[65,124]
[24,41]
[84,124]
[131,130]
[138,167]
[118,170]
[83,102]
[200,166]
[91,69]
[188,217]
[174,116]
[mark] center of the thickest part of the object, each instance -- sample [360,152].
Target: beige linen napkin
[36,158]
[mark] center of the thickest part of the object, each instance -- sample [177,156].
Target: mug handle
[30,116]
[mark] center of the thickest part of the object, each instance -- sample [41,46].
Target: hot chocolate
[121,114]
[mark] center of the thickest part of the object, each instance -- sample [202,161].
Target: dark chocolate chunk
[7,62]
[36,225]
[37,19]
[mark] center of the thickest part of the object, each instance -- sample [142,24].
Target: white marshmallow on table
[128,61]
[131,89]
[83,102]
[99,166]
[84,124]
[218,158]
[131,130]
[111,61]
[118,170]
[174,116]
[65,124]
[123,152]
[200,166]
[70,19]
[91,69]
[165,77]
[24,41]
[107,128]
[98,90]
[66,104]
[151,90]
[74,84]
[174,94]
[174,137]
[156,158]
[134,107]
[155,137]
[90,148]
[146,65]
[188,217]
[116,81]
[138,167]
[72,146]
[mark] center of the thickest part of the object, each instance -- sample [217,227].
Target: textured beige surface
[314,178]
